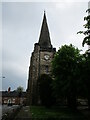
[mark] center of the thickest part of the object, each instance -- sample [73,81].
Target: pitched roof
[11,94]
[44,39]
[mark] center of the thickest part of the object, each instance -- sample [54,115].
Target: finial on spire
[44,11]
[44,39]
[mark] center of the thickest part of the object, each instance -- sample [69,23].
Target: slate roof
[11,94]
[44,40]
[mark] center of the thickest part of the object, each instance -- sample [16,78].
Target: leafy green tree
[86,63]
[81,82]
[65,70]
[19,91]
[86,77]
[45,90]
[87,32]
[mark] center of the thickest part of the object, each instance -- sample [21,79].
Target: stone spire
[44,39]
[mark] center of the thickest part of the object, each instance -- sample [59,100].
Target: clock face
[46,57]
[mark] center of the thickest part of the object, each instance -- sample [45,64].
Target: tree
[87,32]
[19,91]
[45,90]
[82,90]
[65,71]
[86,77]
[86,64]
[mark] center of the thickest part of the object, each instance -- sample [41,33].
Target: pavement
[5,110]
[24,114]
[0,112]
[8,109]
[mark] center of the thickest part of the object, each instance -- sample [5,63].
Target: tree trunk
[71,101]
[88,100]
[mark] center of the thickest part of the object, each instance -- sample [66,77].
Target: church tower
[40,62]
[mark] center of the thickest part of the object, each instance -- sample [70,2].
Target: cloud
[13,79]
[63,5]
[45,0]
[21,29]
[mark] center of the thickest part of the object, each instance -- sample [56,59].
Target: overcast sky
[21,24]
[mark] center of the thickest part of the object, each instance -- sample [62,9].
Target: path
[24,114]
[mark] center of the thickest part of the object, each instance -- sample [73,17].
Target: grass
[56,113]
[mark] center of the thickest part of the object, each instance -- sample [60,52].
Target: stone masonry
[40,62]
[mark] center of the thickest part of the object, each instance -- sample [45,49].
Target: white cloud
[63,5]
[0,45]
[21,29]
[44,0]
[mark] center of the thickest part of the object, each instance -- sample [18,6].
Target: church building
[40,61]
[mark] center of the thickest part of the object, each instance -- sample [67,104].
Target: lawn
[55,113]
